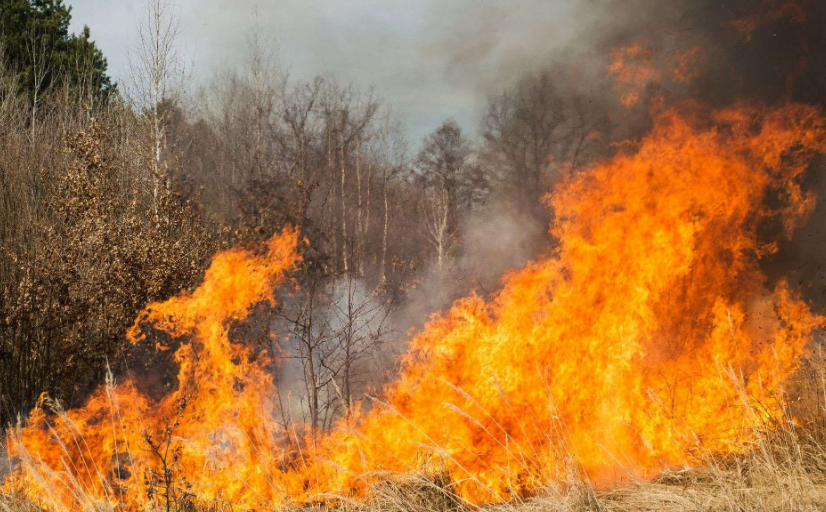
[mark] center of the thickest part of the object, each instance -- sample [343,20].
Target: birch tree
[450,183]
[157,76]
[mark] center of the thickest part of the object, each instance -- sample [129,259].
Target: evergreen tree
[37,45]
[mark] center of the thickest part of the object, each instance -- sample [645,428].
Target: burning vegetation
[650,342]
[649,339]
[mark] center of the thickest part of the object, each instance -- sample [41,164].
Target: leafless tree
[451,183]
[38,48]
[361,326]
[157,75]
[534,132]
[348,116]
[307,334]
[299,139]
[264,81]
[336,333]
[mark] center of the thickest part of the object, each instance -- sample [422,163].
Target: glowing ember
[631,348]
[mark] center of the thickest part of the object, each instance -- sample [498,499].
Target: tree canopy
[37,45]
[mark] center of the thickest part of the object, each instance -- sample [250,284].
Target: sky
[430,59]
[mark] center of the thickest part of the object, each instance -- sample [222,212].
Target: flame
[113,449]
[633,69]
[688,64]
[647,339]
[769,12]
[633,345]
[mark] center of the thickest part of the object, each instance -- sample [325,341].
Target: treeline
[113,197]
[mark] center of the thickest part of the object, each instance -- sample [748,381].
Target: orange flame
[769,12]
[112,450]
[688,64]
[633,69]
[615,350]
[636,345]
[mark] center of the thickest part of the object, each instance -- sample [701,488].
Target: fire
[636,67]
[769,12]
[638,344]
[633,69]
[632,347]
[123,448]
[688,65]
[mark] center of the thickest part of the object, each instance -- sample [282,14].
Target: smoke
[494,240]
[438,59]
[344,330]
[493,44]
[458,53]
[768,51]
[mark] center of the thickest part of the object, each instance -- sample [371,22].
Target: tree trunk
[344,255]
[384,231]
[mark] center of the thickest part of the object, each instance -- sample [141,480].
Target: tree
[335,332]
[348,116]
[391,157]
[534,132]
[38,46]
[451,182]
[157,72]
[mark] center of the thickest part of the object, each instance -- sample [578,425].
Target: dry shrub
[99,254]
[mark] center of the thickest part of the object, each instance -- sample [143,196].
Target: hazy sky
[429,59]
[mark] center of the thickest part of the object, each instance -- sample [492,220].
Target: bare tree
[39,49]
[534,132]
[520,128]
[308,331]
[437,221]
[451,184]
[298,141]
[391,157]
[348,116]
[263,79]
[360,325]
[157,75]
[336,332]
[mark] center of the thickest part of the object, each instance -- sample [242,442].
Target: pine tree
[37,45]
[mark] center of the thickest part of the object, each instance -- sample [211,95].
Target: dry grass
[787,473]
[750,483]
[747,488]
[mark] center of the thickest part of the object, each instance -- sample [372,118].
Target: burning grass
[785,469]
